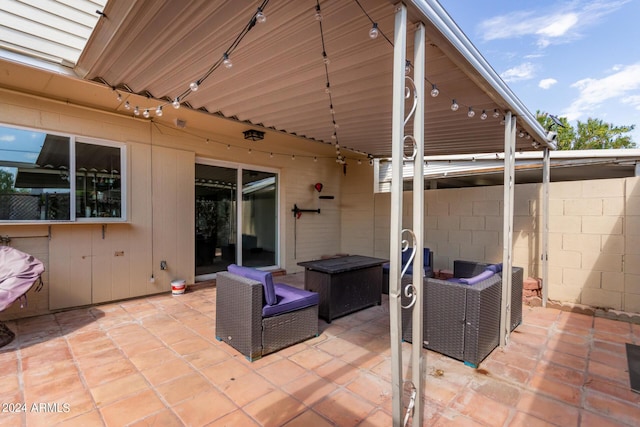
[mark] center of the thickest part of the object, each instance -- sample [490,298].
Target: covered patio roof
[279,79]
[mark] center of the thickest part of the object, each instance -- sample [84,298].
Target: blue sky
[575,59]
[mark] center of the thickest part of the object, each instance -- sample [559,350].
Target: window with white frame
[52,177]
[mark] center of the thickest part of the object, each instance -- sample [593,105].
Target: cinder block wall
[594,235]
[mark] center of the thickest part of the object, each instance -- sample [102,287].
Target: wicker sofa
[463,320]
[257,317]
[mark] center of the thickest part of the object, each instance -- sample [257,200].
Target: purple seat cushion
[496,268]
[290,299]
[405,258]
[263,277]
[477,279]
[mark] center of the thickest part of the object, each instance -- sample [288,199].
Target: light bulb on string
[483,116]
[318,15]
[407,67]
[260,17]
[176,103]
[293,157]
[434,90]
[471,113]
[226,61]
[521,134]
[331,109]
[136,111]
[145,114]
[119,97]
[325,58]
[373,32]
[271,155]
[328,88]
[159,111]
[194,86]
[127,106]
[496,113]
[454,105]
[315,159]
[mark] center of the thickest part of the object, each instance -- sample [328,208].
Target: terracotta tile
[108,372]
[611,326]
[49,413]
[183,388]
[118,389]
[49,371]
[88,361]
[499,391]
[311,358]
[90,342]
[337,371]
[310,418]
[274,409]
[57,347]
[604,405]
[558,390]
[440,390]
[13,419]
[611,372]
[282,372]
[554,412]
[344,408]
[235,418]
[565,359]
[611,338]
[310,388]
[164,418]
[560,373]
[454,419]
[481,408]
[575,349]
[224,371]
[371,388]
[612,388]
[190,345]
[590,419]
[167,371]
[133,408]
[9,384]
[8,364]
[153,358]
[615,348]
[142,346]
[92,418]
[55,389]
[521,419]
[204,408]
[337,346]
[206,357]
[246,388]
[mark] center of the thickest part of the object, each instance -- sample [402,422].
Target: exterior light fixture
[373,32]
[253,135]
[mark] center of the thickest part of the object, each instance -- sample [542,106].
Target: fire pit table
[345,284]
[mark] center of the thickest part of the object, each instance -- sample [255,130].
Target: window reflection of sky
[20,146]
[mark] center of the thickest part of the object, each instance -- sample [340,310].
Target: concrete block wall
[594,235]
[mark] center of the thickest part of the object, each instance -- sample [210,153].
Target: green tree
[6,182]
[589,135]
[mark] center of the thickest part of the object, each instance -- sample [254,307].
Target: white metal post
[418,222]
[544,257]
[507,230]
[395,244]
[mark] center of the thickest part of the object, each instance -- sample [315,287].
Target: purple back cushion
[477,279]
[496,268]
[263,277]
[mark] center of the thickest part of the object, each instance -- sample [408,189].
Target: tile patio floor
[155,361]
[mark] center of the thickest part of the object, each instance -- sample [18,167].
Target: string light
[483,116]
[454,105]
[471,113]
[127,106]
[260,17]
[373,32]
[434,91]
[318,15]
[159,111]
[136,111]
[176,103]
[407,67]
[226,61]
[194,86]
[145,114]
[496,113]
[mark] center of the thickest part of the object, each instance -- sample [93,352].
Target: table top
[341,264]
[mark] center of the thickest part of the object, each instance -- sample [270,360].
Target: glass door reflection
[259,218]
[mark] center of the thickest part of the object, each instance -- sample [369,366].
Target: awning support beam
[507,231]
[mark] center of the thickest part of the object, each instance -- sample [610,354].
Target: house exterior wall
[81,265]
[594,235]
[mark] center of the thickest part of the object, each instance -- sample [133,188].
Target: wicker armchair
[463,321]
[241,324]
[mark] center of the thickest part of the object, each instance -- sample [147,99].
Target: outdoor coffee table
[344,284]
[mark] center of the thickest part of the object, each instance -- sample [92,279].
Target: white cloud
[7,138]
[558,25]
[547,83]
[623,85]
[523,71]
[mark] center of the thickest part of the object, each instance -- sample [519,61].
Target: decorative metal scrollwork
[409,290]
[412,401]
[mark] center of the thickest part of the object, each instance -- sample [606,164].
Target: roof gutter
[435,13]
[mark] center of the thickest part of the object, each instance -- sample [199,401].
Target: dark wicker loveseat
[460,320]
[254,326]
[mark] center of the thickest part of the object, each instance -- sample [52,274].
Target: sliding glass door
[229,232]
